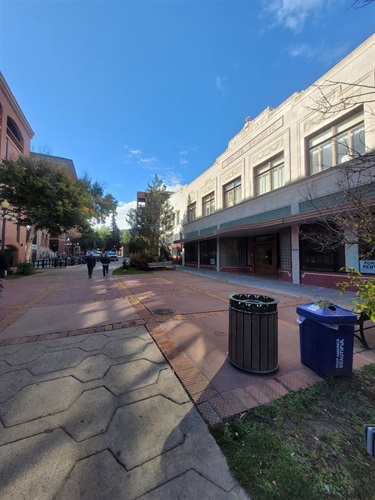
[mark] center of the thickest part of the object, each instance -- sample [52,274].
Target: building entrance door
[265,258]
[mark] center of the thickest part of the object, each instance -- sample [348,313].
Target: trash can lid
[252,303]
[330,314]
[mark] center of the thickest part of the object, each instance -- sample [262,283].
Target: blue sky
[130,89]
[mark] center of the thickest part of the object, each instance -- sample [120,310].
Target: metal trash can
[326,339]
[253,333]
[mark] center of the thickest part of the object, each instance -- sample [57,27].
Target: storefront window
[208,252]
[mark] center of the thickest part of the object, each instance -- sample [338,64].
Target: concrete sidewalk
[104,382]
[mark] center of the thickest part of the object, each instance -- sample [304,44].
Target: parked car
[112,255]
[97,255]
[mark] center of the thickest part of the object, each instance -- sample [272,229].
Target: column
[296,275]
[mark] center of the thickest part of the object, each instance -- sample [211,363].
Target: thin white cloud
[220,86]
[183,161]
[135,152]
[172,182]
[152,159]
[293,14]
[324,52]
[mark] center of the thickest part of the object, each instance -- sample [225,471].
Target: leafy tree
[87,239]
[125,237]
[151,224]
[46,197]
[102,236]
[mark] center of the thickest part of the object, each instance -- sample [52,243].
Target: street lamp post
[67,246]
[6,215]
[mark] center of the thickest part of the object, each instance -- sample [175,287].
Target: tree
[151,224]
[45,197]
[125,237]
[114,240]
[346,216]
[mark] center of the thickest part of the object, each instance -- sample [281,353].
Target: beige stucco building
[244,212]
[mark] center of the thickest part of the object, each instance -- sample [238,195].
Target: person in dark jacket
[91,263]
[105,260]
[4,264]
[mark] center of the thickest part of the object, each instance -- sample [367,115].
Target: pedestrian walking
[91,263]
[105,260]
[3,270]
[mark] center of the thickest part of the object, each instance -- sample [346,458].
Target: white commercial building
[244,213]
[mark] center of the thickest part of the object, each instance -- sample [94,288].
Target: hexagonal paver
[139,423]
[190,483]
[152,353]
[94,342]
[57,360]
[125,347]
[96,477]
[43,461]
[92,368]
[39,400]
[26,354]
[7,350]
[12,382]
[131,376]
[90,414]
[4,367]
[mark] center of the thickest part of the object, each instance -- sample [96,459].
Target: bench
[166,264]
[360,331]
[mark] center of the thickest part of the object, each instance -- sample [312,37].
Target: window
[270,176]
[207,250]
[312,258]
[14,134]
[191,212]
[177,217]
[232,193]
[338,144]
[208,204]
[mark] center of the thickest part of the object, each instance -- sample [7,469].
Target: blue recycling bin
[326,339]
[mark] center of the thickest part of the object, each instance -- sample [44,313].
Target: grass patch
[307,445]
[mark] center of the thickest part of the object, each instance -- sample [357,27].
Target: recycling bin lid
[330,314]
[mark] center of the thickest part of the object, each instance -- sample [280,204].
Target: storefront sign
[367,266]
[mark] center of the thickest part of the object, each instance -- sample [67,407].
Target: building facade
[246,211]
[15,138]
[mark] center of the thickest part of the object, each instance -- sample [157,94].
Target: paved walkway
[98,380]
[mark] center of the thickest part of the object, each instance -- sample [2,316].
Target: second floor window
[177,217]
[191,212]
[270,176]
[338,144]
[232,193]
[208,204]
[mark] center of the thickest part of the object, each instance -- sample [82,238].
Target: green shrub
[25,268]
[140,260]
[365,291]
